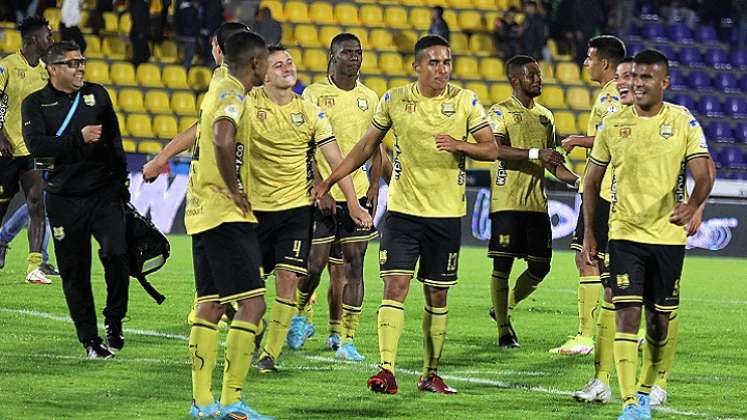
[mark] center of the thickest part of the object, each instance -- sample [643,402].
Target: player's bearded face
[282,70]
[434,67]
[348,58]
[531,80]
[649,82]
[624,79]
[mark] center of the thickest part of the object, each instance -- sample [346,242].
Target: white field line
[350,365]
[687,298]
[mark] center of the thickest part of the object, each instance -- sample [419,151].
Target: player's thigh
[348,231]
[293,240]
[336,256]
[663,277]
[9,178]
[399,248]
[31,181]
[627,272]
[439,252]
[538,237]
[508,234]
[324,228]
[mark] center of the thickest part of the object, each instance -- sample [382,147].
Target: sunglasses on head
[73,63]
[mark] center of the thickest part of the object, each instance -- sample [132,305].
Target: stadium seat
[157,101]
[112,96]
[685,100]
[149,75]
[286,37]
[499,92]
[553,97]
[568,73]
[398,81]
[371,15]
[306,36]
[690,56]
[732,157]
[122,124]
[706,34]
[547,72]
[481,90]
[717,58]
[680,33]
[699,80]
[139,125]
[653,31]
[297,55]
[114,48]
[565,123]
[582,121]
[297,12]
[470,20]
[484,4]
[346,14]
[128,145]
[183,103]
[97,72]
[276,9]
[726,82]
[492,69]
[164,126]
[199,77]
[10,41]
[676,79]
[322,13]
[740,133]
[361,33]
[395,17]
[552,46]
[175,77]
[460,4]
[93,46]
[391,64]
[52,14]
[315,60]
[743,82]
[166,52]
[200,98]
[131,100]
[149,147]
[186,122]
[735,107]
[578,99]
[452,20]
[420,18]
[111,22]
[634,48]
[466,67]
[709,106]
[319,77]
[739,58]
[459,43]
[719,131]
[481,44]
[326,34]
[370,64]
[381,39]
[125,24]
[580,167]
[377,84]
[123,74]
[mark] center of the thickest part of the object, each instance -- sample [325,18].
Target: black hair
[30,25]
[627,59]
[609,47]
[651,57]
[275,48]
[226,30]
[241,47]
[516,63]
[339,39]
[56,51]
[439,9]
[427,42]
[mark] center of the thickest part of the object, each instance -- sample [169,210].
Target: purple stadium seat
[732,157]
[735,107]
[725,82]
[706,34]
[741,132]
[699,80]
[677,80]
[680,33]
[739,58]
[653,31]
[690,56]
[710,106]
[719,131]
[717,58]
[684,100]
[634,48]
[668,51]
[741,176]
[743,83]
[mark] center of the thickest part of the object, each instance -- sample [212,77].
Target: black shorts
[434,241]
[285,238]
[226,263]
[646,273]
[335,254]
[11,171]
[340,227]
[601,228]
[520,234]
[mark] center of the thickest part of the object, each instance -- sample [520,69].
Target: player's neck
[606,78]
[649,111]
[279,96]
[343,82]
[524,99]
[429,92]
[30,55]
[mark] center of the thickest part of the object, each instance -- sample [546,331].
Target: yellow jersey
[519,185]
[283,140]
[606,103]
[427,182]
[350,113]
[18,80]
[207,204]
[649,156]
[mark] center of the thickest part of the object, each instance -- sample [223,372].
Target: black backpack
[147,249]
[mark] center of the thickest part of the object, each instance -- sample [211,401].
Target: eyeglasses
[73,63]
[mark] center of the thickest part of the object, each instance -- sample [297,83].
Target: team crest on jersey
[447,108]
[611,109]
[58,232]
[544,120]
[517,117]
[666,130]
[363,104]
[328,101]
[625,132]
[410,106]
[261,115]
[504,240]
[297,118]
[623,281]
[21,74]
[89,100]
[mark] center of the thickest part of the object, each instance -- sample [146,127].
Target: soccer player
[286,132]
[520,225]
[649,146]
[431,119]
[219,218]
[603,55]
[21,74]
[350,107]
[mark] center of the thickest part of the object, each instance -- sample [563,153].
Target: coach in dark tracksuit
[74,126]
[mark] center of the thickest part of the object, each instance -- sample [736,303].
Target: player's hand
[239,199]
[6,147]
[91,133]
[152,170]
[327,205]
[682,213]
[589,249]
[446,143]
[372,199]
[551,157]
[361,217]
[694,224]
[320,190]
[569,143]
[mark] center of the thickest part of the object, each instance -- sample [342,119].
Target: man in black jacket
[72,124]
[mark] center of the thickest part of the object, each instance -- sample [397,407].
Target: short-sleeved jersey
[649,156]
[606,103]
[283,140]
[350,113]
[207,204]
[519,185]
[18,80]
[427,182]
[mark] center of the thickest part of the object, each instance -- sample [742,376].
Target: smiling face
[281,70]
[624,79]
[434,67]
[68,71]
[649,83]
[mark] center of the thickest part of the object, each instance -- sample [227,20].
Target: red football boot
[434,383]
[383,382]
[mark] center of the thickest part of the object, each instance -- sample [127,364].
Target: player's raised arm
[180,143]
[484,149]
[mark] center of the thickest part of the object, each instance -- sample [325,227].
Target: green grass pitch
[43,373]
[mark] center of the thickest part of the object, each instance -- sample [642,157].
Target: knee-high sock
[335,327]
[435,321]
[238,357]
[526,284]
[391,323]
[589,290]
[604,348]
[626,359]
[499,293]
[34,261]
[669,350]
[203,347]
[350,317]
[281,314]
[302,300]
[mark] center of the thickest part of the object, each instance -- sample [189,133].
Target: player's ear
[665,82]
